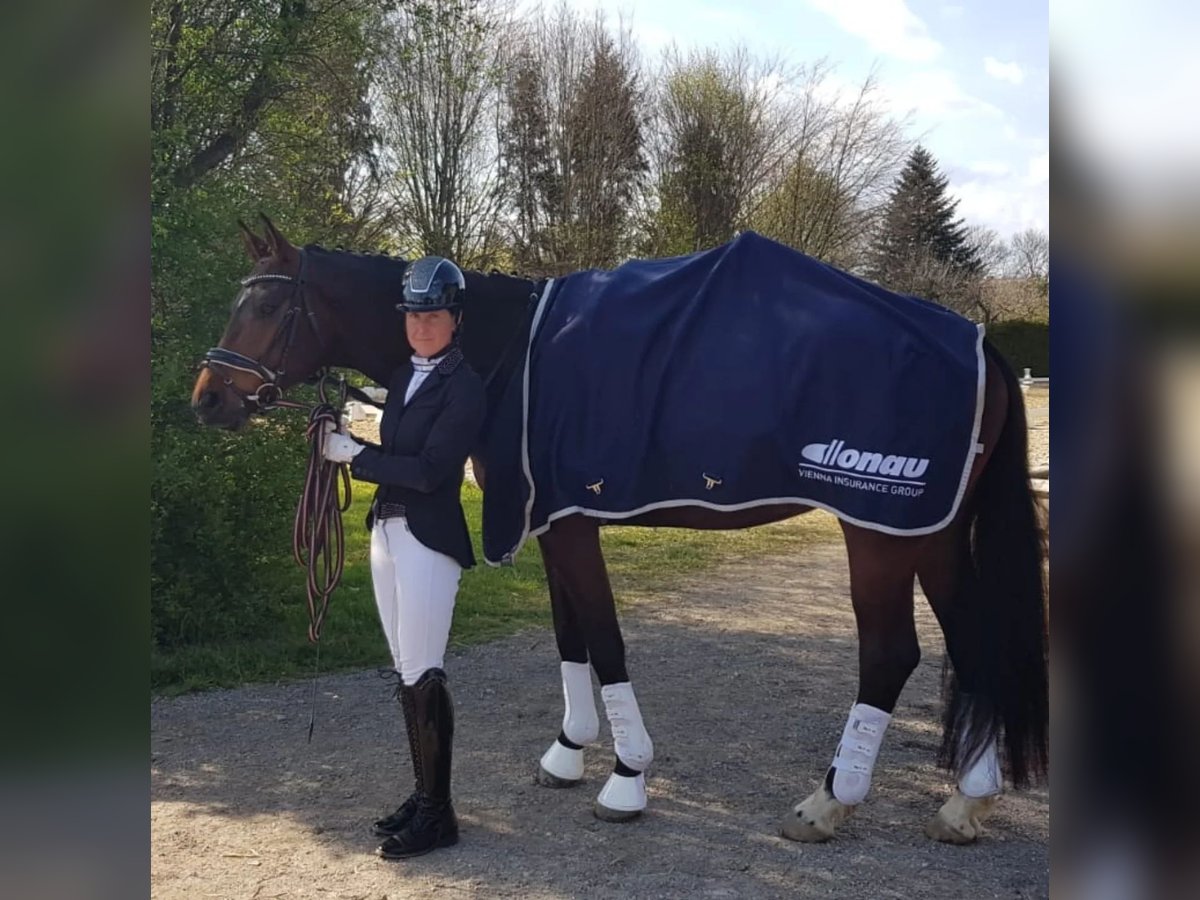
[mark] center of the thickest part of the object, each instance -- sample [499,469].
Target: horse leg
[572,549]
[881,589]
[945,575]
[562,764]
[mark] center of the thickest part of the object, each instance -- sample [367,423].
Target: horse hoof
[938,830]
[604,814]
[622,799]
[560,767]
[958,821]
[796,828]
[546,779]
[816,819]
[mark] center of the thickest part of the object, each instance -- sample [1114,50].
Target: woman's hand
[338,447]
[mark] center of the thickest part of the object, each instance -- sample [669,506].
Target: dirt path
[744,677]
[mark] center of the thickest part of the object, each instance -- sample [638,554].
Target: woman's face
[429,333]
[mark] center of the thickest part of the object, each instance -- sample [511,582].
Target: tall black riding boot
[434,823]
[395,823]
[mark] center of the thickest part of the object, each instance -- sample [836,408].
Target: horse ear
[281,247]
[256,247]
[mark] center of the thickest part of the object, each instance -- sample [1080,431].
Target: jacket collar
[450,361]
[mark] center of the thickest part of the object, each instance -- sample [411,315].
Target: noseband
[269,394]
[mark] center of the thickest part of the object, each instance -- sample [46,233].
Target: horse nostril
[209,400]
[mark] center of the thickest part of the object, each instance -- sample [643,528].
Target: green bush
[221,508]
[1024,345]
[221,504]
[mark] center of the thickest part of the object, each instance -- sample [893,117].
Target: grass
[492,602]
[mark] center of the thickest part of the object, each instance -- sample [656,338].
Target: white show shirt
[421,369]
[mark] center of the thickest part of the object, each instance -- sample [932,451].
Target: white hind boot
[959,821]
[624,795]
[562,764]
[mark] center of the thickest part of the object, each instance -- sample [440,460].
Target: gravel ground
[1037,412]
[744,677]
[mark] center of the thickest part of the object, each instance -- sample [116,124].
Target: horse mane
[386,271]
[495,309]
[377,272]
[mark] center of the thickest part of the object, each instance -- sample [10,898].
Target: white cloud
[1010,72]
[1039,170]
[990,167]
[936,93]
[1008,207]
[888,26]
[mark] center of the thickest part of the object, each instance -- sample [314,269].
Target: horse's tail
[1000,685]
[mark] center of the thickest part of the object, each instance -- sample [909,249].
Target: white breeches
[415,589]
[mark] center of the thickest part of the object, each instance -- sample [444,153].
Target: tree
[275,87]
[921,248]
[1030,257]
[993,251]
[572,143]
[845,151]
[255,104]
[527,159]
[438,96]
[606,152]
[723,134]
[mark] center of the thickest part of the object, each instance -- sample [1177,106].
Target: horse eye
[268,308]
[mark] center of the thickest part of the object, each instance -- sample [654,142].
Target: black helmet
[432,283]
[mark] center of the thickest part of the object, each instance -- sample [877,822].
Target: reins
[318,535]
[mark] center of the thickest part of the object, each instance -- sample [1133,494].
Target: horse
[303,309]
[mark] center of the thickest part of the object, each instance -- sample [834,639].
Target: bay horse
[303,309]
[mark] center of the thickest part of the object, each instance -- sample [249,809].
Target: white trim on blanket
[973,448]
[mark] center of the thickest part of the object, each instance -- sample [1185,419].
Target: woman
[419,539]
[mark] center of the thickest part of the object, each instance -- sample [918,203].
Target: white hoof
[623,798]
[958,821]
[561,766]
[816,819]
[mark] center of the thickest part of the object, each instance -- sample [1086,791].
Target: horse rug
[741,376]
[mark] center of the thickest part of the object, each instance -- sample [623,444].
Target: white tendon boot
[624,795]
[562,764]
[818,817]
[856,754]
[959,820]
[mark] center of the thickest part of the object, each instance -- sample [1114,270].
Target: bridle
[269,394]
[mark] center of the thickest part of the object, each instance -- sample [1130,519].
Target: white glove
[340,448]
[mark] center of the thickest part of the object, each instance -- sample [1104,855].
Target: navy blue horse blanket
[741,376]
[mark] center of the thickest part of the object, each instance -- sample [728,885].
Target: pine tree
[921,247]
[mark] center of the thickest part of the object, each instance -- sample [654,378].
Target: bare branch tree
[993,251]
[1031,254]
[844,154]
[573,142]
[932,278]
[438,97]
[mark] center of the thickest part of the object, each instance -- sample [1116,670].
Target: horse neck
[361,298]
[368,332]
[496,312]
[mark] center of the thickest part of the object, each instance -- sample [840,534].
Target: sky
[973,75]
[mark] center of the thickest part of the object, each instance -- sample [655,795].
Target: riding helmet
[432,283]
